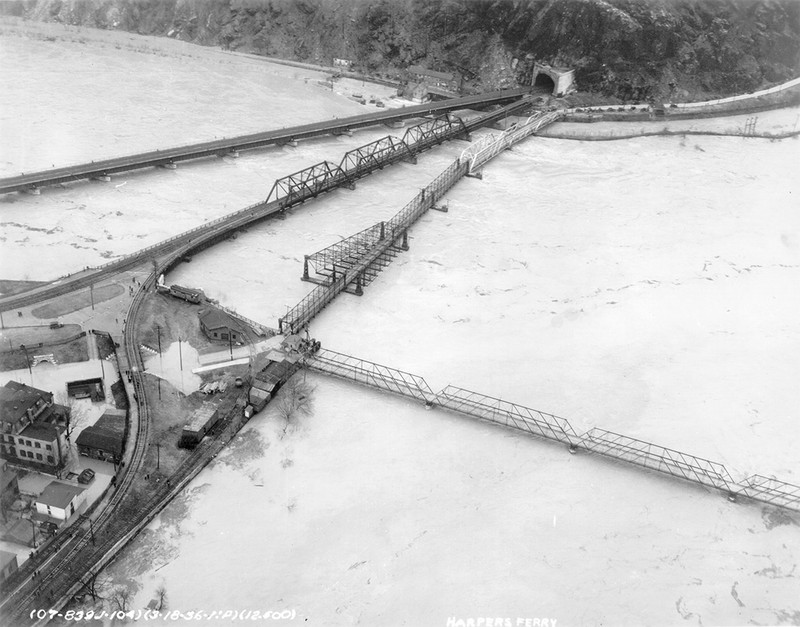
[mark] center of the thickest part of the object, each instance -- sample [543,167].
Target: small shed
[218,325]
[58,502]
[201,422]
[87,388]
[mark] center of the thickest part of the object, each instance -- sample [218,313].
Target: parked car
[87,476]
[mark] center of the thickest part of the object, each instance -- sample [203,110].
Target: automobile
[48,528]
[86,476]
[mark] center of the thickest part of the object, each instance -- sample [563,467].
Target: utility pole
[27,361]
[158,455]
[160,357]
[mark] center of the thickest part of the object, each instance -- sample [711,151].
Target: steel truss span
[608,444]
[371,374]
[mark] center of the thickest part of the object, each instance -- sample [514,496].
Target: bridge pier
[169,166]
[305,268]
[475,175]
[383,230]
[233,154]
[359,291]
[404,245]
[33,191]
[443,208]
[102,177]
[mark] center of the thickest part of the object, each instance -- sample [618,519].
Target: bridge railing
[371,374]
[659,458]
[609,444]
[771,490]
[508,414]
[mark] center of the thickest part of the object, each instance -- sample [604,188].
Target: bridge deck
[107,167]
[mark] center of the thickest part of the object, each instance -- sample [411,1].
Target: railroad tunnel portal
[555,81]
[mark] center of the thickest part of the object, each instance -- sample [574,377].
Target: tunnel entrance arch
[543,82]
[556,81]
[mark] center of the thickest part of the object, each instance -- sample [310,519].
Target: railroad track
[70,552]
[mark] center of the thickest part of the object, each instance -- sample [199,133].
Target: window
[48,447]
[37,445]
[39,456]
[50,459]
[28,443]
[224,336]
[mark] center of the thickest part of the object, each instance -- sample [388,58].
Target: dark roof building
[20,405]
[105,439]
[32,431]
[218,325]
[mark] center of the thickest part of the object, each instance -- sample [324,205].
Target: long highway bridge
[32,181]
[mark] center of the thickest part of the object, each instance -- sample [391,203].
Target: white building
[58,502]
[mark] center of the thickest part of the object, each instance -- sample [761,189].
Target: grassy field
[9,288]
[77,301]
[42,341]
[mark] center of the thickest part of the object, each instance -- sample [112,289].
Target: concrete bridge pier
[305,268]
[404,245]
[359,290]
[102,177]
[234,154]
[383,230]
[170,166]
[33,191]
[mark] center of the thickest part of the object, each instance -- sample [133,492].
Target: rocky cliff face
[630,49]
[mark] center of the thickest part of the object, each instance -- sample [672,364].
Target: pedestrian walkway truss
[541,424]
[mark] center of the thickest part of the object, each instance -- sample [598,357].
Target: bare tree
[161,597]
[97,585]
[296,400]
[121,598]
[77,415]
